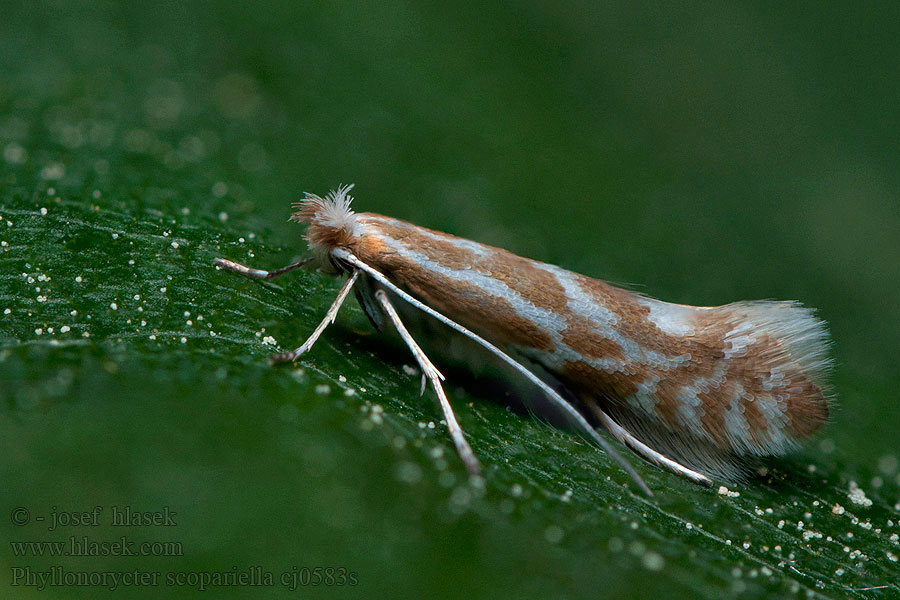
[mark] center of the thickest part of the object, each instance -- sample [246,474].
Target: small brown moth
[696,390]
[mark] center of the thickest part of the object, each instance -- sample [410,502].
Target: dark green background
[702,154]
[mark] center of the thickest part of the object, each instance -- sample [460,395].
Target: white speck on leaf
[858,496]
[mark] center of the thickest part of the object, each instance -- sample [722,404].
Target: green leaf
[136,375]
[140,142]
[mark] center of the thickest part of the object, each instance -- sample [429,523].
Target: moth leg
[431,372]
[586,428]
[229,265]
[646,451]
[329,318]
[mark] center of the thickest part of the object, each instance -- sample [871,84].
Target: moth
[701,391]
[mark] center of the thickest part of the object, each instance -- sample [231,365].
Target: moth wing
[765,394]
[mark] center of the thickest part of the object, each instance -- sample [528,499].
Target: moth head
[331,223]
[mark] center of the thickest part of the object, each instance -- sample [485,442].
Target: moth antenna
[554,396]
[429,370]
[639,447]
